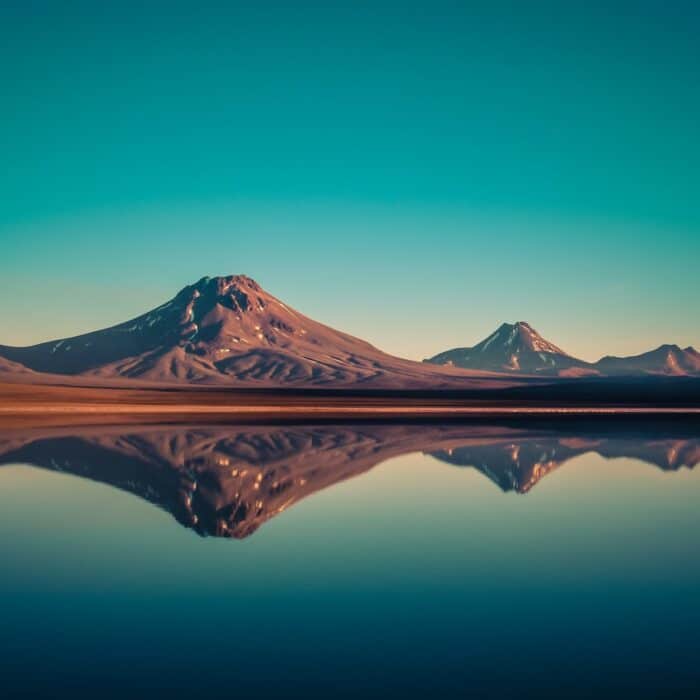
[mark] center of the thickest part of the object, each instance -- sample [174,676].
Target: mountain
[519,349]
[515,347]
[225,330]
[666,359]
[229,331]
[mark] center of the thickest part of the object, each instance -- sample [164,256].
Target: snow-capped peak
[512,347]
[520,335]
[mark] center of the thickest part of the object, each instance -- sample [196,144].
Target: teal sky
[413,173]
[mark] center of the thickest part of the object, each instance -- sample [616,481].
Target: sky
[411,173]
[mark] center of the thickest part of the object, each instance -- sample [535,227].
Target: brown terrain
[519,349]
[228,331]
[226,346]
[26,403]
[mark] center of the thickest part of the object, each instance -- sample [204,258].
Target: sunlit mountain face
[517,348]
[227,331]
[227,481]
[514,347]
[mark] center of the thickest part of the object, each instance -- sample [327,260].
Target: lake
[523,558]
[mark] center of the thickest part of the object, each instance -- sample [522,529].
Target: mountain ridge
[519,349]
[224,330]
[514,347]
[228,331]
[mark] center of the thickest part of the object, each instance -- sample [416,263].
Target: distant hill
[515,347]
[666,359]
[519,349]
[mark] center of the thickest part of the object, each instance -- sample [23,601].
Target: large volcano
[226,330]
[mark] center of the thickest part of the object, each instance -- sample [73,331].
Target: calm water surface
[433,560]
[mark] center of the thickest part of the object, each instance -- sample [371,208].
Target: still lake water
[511,560]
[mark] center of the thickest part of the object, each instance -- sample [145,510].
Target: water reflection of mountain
[518,464]
[228,480]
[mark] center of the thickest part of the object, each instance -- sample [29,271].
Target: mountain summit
[514,347]
[227,330]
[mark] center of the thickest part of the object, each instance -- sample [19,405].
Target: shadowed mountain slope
[667,359]
[228,330]
[519,349]
[515,347]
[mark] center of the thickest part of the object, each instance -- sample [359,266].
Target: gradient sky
[412,173]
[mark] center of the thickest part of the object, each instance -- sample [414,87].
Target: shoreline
[63,402]
[335,410]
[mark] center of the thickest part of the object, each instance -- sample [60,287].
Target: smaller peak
[519,326]
[525,328]
[691,350]
[522,328]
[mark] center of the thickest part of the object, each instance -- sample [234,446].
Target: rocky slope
[517,348]
[229,331]
[226,330]
[666,359]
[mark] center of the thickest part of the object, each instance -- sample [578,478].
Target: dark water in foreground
[508,560]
